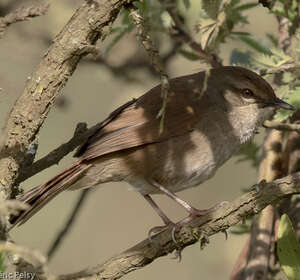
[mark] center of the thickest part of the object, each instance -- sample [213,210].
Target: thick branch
[89,23]
[226,216]
[21,14]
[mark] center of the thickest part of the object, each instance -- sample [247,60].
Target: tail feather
[37,197]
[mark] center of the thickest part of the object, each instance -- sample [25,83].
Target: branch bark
[81,134]
[90,22]
[224,217]
[282,126]
[21,14]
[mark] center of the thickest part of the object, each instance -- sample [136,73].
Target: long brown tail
[37,197]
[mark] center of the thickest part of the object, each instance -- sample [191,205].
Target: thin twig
[200,229]
[67,226]
[21,14]
[282,126]
[155,59]
[81,134]
[186,38]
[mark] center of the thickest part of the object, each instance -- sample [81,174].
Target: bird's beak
[283,105]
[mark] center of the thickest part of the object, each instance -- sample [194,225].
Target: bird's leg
[166,220]
[193,212]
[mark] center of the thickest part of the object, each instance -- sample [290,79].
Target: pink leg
[161,214]
[193,212]
[164,217]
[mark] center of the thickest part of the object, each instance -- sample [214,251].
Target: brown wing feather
[137,124]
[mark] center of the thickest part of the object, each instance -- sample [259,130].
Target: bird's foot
[158,229]
[195,213]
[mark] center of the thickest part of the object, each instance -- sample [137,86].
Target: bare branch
[21,14]
[91,22]
[156,61]
[282,126]
[81,134]
[224,217]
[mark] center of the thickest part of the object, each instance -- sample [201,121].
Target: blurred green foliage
[288,249]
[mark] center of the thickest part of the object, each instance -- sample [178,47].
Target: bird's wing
[136,123]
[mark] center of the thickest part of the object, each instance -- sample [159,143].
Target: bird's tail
[37,197]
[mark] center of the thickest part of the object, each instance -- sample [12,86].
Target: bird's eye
[248,92]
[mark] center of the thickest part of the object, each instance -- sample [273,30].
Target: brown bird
[208,116]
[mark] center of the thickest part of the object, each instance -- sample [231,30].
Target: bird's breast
[181,162]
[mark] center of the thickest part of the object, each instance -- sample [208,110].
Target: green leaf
[288,249]
[247,6]
[254,44]
[241,33]
[292,98]
[189,55]
[211,7]
[275,59]
[287,77]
